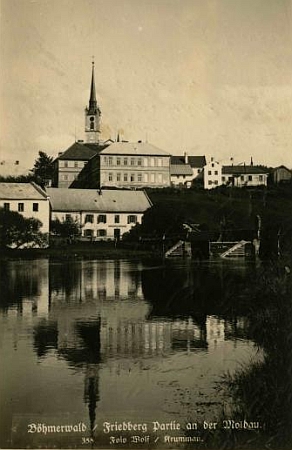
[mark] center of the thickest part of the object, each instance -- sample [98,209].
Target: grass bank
[98,250]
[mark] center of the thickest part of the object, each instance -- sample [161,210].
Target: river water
[103,343]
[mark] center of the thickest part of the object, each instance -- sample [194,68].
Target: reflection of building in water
[219,330]
[87,281]
[112,292]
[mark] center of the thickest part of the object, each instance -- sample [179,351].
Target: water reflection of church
[92,313]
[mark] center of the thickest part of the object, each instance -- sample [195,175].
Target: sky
[206,77]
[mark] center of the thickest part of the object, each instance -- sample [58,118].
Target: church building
[70,163]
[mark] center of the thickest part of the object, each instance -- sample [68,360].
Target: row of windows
[125,161]
[74,164]
[230,178]
[20,207]
[132,177]
[102,218]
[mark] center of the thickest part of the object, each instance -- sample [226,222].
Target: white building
[245,175]
[28,199]
[101,214]
[134,164]
[212,174]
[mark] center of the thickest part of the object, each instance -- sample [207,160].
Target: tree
[17,231]
[68,228]
[43,168]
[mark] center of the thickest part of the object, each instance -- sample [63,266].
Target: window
[152,177]
[105,160]
[152,162]
[118,161]
[132,219]
[209,182]
[7,206]
[145,161]
[132,161]
[212,165]
[110,177]
[75,164]
[146,177]
[216,172]
[125,161]
[20,207]
[230,178]
[139,177]
[125,177]
[216,182]
[132,177]
[117,218]
[209,172]
[88,233]
[223,178]
[35,207]
[89,218]
[139,162]
[250,178]
[110,161]
[101,218]
[242,177]
[118,177]
[65,163]
[101,233]
[260,178]
[159,162]
[65,177]
[67,216]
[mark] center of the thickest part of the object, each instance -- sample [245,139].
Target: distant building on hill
[185,169]
[281,174]
[216,174]
[12,168]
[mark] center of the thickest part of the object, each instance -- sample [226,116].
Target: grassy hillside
[223,208]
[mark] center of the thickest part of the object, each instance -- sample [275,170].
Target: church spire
[92,100]
[92,114]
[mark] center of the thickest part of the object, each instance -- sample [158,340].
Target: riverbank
[99,250]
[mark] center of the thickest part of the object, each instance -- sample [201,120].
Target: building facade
[185,169]
[28,199]
[101,214]
[212,174]
[243,175]
[134,165]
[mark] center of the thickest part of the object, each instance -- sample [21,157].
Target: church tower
[92,115]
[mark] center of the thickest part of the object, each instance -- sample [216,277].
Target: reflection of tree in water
[18,281]
[65,277]
[45,337]
[195,290]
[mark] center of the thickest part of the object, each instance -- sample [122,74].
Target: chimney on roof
[186,158]
[251,161]
[139,142]
[80,141]
[60,153]
[17,163]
